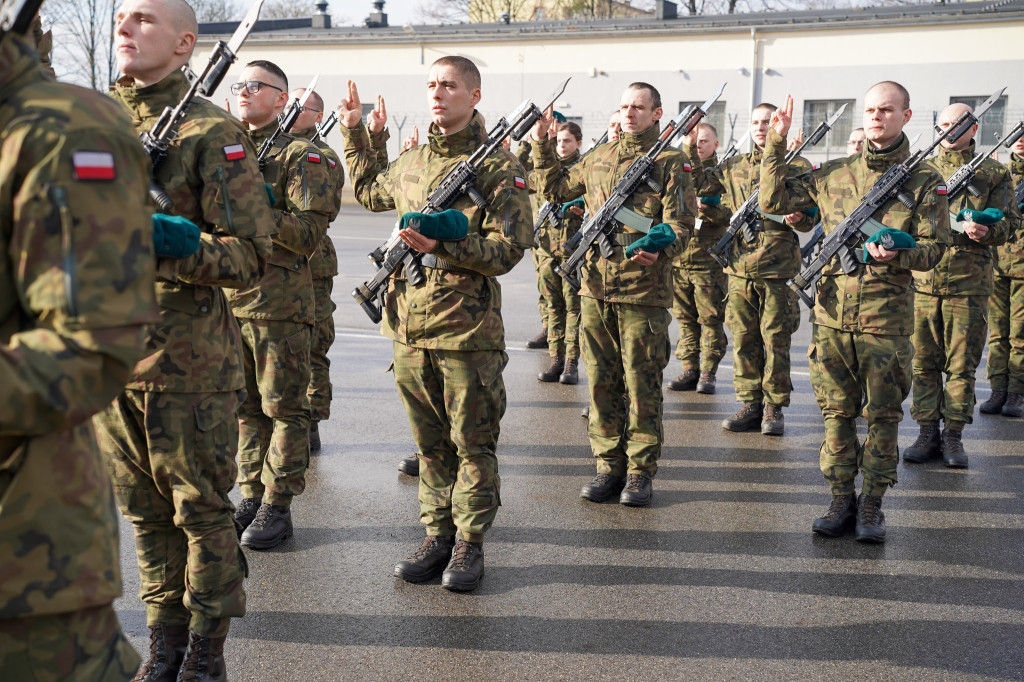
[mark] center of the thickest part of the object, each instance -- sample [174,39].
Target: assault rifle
[18,15]
[807,250]
[734,149]
[1018,193]
[743,220]
[960,181]
[158,139]
[285,122]
[325,128]
[459,180]
[850,234]
[552,210]
[600,227]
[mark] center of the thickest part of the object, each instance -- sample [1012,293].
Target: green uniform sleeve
[303,214]
[1001,197]
[678,202]
[370,182]
[379,142]
[929,226]
[781,193]
[555,182]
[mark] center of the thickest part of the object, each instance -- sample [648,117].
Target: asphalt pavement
[720,578]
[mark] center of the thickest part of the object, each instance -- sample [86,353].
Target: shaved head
[894,87]
[182,14]
[949,116]
[315,100]
[153,38]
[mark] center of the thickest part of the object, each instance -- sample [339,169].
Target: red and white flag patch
[94,165]
[941,190]
[520,183]
[234,152]
[331,163]
[816,166]
[313,157]
[687,167]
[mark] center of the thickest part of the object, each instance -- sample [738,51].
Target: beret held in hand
[891,240]
[174,236]
[990,216]
[448,225]
[660,236]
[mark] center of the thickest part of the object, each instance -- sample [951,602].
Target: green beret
[890,239]
[446,225]
[575,202]
[660,236]
[990,216]
[711,201]
[174,236]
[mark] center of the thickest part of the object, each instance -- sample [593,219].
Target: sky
[400,12]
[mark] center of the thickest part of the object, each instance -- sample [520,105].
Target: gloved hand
[990,216]
[270,193]
[891,239]
[446,225]
[174,236]
[660,236]
[575,202]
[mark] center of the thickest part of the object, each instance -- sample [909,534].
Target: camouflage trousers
[273,438]
[1006,335]
[698,304]
[172,462]
[625,351]
[321,390]
[762,315]
[81,646]
[949,336]
[542,306]
[455,401]
[563,311]
[853,374]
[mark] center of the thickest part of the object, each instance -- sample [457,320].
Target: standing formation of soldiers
[157,357]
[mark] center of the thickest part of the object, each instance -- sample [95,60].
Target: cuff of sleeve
[167,269]
[543,152]
[380,139]
[775,143]
[357,138]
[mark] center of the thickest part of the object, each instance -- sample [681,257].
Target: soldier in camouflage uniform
[860,352]
[624,324]
[1006,314]
[541,339]
[277,316]
[76,293]
[951,303]
[699,285]
[323,266]
[171,437]
[762,312]
[448,333]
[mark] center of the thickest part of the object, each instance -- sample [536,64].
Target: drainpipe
[755,74]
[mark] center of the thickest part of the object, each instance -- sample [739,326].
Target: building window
[716,117]
[818,110]
[991,125]
[368,109]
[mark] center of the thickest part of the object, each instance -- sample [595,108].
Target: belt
[627,238]
[429,260]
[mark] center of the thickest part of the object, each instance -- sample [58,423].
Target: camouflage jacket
[712,221]
[621,280]
[876,298]
[324,261]
[304,197]
[775,252]
[212,177]
[76,294]
[548,240]
[1010,256]
[459,306]
[966,267]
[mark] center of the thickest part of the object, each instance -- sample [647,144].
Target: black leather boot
[839,518]
[539,341]
[204,660]
[687,381]
[604,487]
[427,561]
[994,404]
[772,421]
[553,371]
[314,437]
[638,491]
[1014,406]
[571,374]
[245,512]
[410,466]
[870,519]
[166,652]
[953,449]
[706,383]
[748,418]
[926,447]
[271,527]
[466,569]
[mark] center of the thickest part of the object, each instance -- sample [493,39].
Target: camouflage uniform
[171,437]
[523,154]
[323,267]
[1006,306]
[448,334]
[77,291]
[762,312]
[699,290]
[860,352]
[625,318]
[951,305]
[276,317]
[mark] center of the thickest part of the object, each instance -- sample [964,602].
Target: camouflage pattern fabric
[714,220]
[1006,306]
[698,304]
[542,304]
[562,304]
[77,293]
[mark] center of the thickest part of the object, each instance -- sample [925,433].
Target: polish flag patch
[520,183]
[941,190]
[313,157]
[234,152]
[816,166]
[687,167]
[331,163]
[93,166]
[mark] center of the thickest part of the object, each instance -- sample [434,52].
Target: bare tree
[285,9]
[83,40]
[216,10]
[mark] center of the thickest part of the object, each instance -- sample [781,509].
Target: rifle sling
[626,238]
[429,260]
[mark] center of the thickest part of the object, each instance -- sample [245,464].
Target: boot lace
[262,516]
[463,555]
[839,504]
[870,508]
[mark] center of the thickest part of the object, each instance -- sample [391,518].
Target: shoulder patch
[313,157]
[234,152]
[94,166]
[687,167]
[331,163]
[520,183]
[941,190]
[816,166]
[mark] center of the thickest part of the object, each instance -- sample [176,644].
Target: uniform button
[204,309]
[849,296]
[413,305]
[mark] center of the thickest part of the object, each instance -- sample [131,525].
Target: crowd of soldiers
[157,357]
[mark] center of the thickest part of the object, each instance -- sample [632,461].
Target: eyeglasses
[315,111]
[251,87]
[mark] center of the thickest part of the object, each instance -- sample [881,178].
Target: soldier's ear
[475,97]
[906,116]
[658,113]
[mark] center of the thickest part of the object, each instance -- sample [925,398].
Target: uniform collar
[957,158]
[260,134]
[149,101]
[639,143]
[460,143]
[307,133]
[571,159]
[882,160]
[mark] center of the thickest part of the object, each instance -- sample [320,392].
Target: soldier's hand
[644,258]
[413,140]
[797,140]
[378,118]
[350,111]
[975,230]
[507,143]
[880,253]
[540,128]
[577,210]
[553,127]
[690,138]
[782,118]
[794,218]
[416,241]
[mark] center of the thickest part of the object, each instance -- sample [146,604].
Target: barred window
[818,110]
[991,127]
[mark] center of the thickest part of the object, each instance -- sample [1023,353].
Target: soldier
[323,267]
[855,143]
[76,294]
[171,437]
[447,332]
[762,312]
[860,351]
[1006,315]
[277,317]
[624,322]
[951,303]
[699,286]
[541,339]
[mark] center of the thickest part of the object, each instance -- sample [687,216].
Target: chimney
[377,18]
[321,19]
[665,9]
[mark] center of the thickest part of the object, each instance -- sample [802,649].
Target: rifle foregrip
[905,200]
[568,276]
[808,301]
[414,270]
[605,246]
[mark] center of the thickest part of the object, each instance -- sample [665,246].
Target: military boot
[687,381]
[747,419]
[554,370]
[706,383]
[466,569]
[429,560]
[839,518]
[638,491]
[410,466]
[539,341]
[994,403]
[772,422]
[314,437]
[166,652]
[926,447]
[204,660]
[570,375]
[953,449]
[870,519]
[604,487]
[1014,406]
[245,512]
[271,527]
